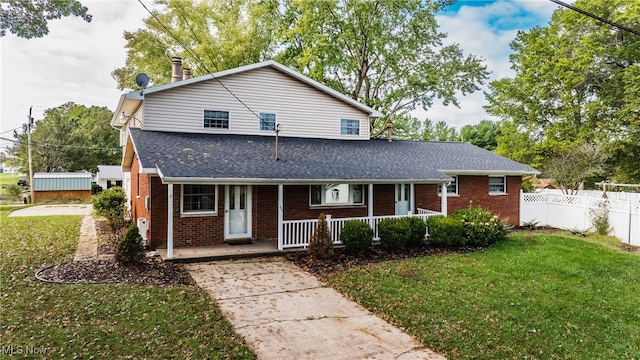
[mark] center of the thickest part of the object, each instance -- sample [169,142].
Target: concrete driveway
[285,313]
[49,210]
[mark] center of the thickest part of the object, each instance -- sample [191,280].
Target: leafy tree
[572,166]
[220,34]
[387,54]
[439,131]
[28,18]
[484,134]
[70,137]
[576,82]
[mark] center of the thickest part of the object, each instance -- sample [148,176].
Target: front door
[403,194]
[237,213]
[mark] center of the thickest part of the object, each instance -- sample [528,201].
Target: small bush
[356,236]
[111,204]
[394,233]
[600,218]
[130,250]
[320,244]
[13,192]
[445,231]
[481,227]
[418,230]
[531,225]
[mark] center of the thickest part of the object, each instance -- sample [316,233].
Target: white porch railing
[296,233]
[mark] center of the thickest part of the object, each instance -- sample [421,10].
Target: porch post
[280,216]
[412,199]
[170,221]
[443,199]
[370,204]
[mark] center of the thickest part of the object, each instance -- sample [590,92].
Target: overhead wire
[599,18]
[43,145]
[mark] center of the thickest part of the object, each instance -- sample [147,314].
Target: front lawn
[532,296]
[98,321]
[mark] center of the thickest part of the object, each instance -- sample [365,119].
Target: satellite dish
[142,80]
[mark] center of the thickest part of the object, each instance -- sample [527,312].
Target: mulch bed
[152,271]
[342,261]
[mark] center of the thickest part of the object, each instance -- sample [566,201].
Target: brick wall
[265,211]
[476,189]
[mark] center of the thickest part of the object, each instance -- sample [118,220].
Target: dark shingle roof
[215,156]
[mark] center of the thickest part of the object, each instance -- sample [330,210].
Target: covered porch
[294,234]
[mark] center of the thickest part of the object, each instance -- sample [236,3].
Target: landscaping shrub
[445,231]
[600,218]
[130,250]
[13,192]
[481,227]
[320,244]
[418,230]
[111,204]
[356,236]
[394,233]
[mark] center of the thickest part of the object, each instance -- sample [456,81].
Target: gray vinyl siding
[301,110]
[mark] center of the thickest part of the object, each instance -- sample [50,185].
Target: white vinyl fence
[573,212]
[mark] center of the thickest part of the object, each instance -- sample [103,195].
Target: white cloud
[73,63]
[485,31]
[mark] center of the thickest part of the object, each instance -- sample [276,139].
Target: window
[199,199]
[214,119]
[267,122]
[349,127]
[452,188]
[336,194]
[497,185]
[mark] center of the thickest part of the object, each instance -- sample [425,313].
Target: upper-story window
[497,185]
[267,122]
[452,188]
[216,119]
[349,127]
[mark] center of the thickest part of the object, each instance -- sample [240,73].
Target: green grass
[6,178]
[99,321]
[540,296]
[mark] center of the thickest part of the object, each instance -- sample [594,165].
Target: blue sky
[74,62]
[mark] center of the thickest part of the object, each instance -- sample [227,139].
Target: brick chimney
[389,132]
[186,74]
[176,69]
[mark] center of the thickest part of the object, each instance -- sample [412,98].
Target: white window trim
[359,125]
[214,128]
[198,213]
[457,183]
[504,181]
[275,120]
[323,203]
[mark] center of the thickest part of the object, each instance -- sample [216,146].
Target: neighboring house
[207,166]
[61,186]
[109,176]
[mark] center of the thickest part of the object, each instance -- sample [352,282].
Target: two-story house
[258,152]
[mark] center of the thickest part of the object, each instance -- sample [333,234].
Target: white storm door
[403,195]
[237,213]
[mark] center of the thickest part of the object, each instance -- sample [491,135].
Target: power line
[599,18]
[204,66]
[43,145]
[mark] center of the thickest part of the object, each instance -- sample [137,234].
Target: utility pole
[29,125]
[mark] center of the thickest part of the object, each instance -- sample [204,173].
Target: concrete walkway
[51,210]
[285,313]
